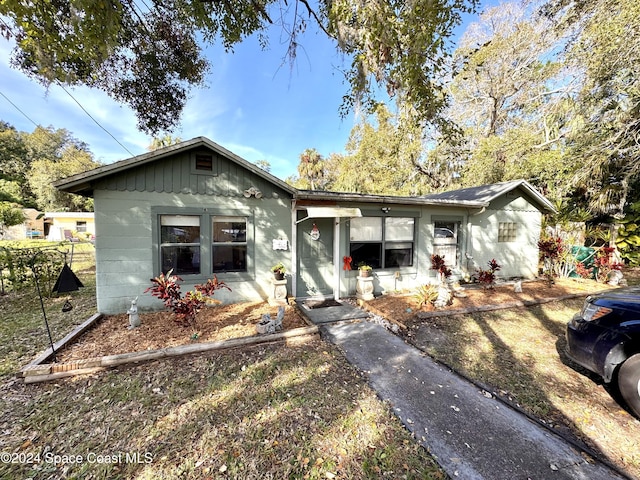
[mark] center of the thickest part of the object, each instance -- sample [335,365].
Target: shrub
[583,271]
[487,278]
[556,259]
[186,308]
[17,265]
[550,248]
[604,264]
[438,264]
[426,294]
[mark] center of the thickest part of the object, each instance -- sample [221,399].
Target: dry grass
[263,412]
[519,355]
[22,328]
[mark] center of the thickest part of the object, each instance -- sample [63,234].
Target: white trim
[294,251]
[336,259]
[330,212]
[69,215]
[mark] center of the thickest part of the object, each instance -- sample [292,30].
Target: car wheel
[629,383]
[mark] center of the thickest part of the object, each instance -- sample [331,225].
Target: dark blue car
[604,337]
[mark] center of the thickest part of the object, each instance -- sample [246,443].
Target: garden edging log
[70,337]
[33,372]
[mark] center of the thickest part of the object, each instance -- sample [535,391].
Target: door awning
[331,212]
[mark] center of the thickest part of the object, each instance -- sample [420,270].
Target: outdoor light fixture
[253,191]
[386,209]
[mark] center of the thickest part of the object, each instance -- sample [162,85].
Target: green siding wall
[127,206]
[478,236]
[177,174]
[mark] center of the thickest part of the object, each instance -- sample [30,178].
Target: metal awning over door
[330,212]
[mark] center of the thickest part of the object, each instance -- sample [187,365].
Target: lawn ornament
[134,318]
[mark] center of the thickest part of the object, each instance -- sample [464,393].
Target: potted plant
[278,271]
[365,270]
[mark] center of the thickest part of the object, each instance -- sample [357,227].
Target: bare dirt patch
[160,330]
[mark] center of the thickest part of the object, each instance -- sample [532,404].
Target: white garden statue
[269,325]
[134,318]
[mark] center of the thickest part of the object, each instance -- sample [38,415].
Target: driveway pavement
[472,434]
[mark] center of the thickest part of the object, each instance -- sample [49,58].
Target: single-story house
[69,225]
[201,210]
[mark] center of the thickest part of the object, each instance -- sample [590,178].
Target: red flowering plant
[551,249]
[438,264]
[487,278]
[167,289]
[583,271]
[604,263]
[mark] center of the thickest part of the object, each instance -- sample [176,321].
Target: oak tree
[150,55]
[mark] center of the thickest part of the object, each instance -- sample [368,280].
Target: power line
[94,120]
[18,109]
[73,98]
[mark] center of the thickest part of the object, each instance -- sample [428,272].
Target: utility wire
[94,120]
[72,97]
[18,109]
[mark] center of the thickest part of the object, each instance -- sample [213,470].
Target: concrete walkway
[471,434]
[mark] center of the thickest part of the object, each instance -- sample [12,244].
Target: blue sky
[255,105]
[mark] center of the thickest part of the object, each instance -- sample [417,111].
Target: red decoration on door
[347,263]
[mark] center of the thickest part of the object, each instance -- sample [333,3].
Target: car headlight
[591,312]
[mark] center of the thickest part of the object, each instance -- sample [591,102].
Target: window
[382,242]
[507,232]
[229,246]
[81,227]
[197,242]
[445,232]
[180,244]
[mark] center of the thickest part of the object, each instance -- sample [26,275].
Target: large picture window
[382,242]
[229,246]
[180,244]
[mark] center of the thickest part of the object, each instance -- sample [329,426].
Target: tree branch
[312,13]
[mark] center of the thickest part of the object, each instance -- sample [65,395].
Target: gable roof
[82,183]
[473,197]
[485,194]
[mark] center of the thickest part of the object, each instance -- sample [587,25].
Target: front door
[315,257]
[445,241]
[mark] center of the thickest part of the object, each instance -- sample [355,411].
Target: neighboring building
[69,226]
[32,227]
[201,210]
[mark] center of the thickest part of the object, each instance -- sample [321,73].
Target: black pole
[44,313]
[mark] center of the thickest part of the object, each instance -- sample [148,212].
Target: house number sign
[280,244]
[315,233]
